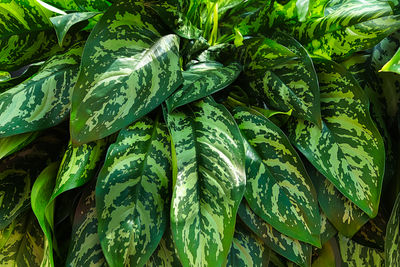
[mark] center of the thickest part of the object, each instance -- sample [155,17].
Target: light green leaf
[21,243]
[302,8]
[11,144]
[278,188]
[348,150]
[78,166]
[85,248]
[63,23]
[4,76]
[393,65]
[165,254]
[247,249]
[123,76]
[356,255]
[132,193]
[92,5]
[201,80]
[209,183]
[292,249]
[42,101]
[392,242]
[44,208]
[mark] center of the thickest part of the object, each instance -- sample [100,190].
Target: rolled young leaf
[209,182]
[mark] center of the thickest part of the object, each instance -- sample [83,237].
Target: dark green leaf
[356,255]
[11,144]
[392,243]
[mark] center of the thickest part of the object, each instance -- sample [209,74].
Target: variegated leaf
[43,207]
[327,229]
[132,193]
[247,249]
[11,144]
[209,182]
[78,166]
[348,150]
[123,76]
[356,255]
[62,24]
[85,248]
[21,243]
[92,5]
[348,27]
[42,101]
[392,242]
[201,80]
[292,249]
[165,254]
[372,234]
[278,188]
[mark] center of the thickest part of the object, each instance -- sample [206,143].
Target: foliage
[199,133]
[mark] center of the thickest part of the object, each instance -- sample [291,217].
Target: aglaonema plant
[199,133]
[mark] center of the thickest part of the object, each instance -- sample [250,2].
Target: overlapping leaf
[348,150]
[292,249]
[132,193]
[327,229]
[42,101]
[123,76]
[165,255]
[11,144]
[356,255]
[209,183]
[278,188]
[392,242]
[21,243]
[201,80]
[372,234]
[85,248]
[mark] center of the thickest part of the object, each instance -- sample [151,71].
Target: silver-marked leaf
[247,249]
[78,166]
[348,150]
[392,242]
[291,85]
[123,76]
[21,243]
[92,5]
[209,182]
[165,255]
[132,193]
[292,249]
[42,101]
[11,144]
[43,207]
[349,27]
[63,23]
[356,255]
[372,234]
[85,248]
[201,80]
[278,188]
[15,190]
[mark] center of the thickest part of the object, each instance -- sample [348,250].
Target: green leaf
[292,249]
[392,242]
[78,166]
[4,76]
[372,234]
[24,73]
[132,193]
[85,248]
[11,144]
[62,24]
[201,80]
[165,255]
[209,183]
[347,28]
[302,8]
[247,249]
[393,65]
[92,5]
[123,76]
[42,101]
[348,150]
[327,229]
[21,243]
[278,188]
[43,207]
[356,255]
[326,257]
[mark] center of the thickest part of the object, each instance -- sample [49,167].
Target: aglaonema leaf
[356,255]
[132,193]
[21,243]
[209,182]
[292,249]
[348,150]
[11,144]
[393,65]
[201,80]
[85,248]
[123,76]
[42,101]
[392,242]
[278,188]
